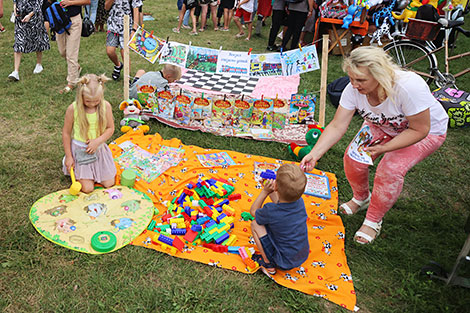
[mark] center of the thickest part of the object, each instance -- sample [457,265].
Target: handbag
[87,25]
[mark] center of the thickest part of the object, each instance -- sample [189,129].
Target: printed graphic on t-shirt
[397,123]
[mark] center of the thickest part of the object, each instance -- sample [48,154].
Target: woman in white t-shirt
[406,122]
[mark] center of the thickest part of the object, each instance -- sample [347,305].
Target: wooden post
[324,75]
[126,57]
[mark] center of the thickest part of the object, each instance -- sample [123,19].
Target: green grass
[37,276]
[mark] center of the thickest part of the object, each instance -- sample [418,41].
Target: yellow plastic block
[176,220]
[230,241]
[194,212]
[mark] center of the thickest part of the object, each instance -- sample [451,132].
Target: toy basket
[422,30]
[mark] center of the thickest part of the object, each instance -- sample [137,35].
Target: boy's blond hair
[290,181]
[171,70]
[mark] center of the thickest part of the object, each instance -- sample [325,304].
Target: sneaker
[38,69]
[117,72]
[280,35]
[14,76]
[225,29]
[2,30]
[176,30]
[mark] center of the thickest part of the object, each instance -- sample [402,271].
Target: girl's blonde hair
[91,85]
[379,64]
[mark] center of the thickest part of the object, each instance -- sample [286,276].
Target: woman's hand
[376,150]
[93,145]
[308,163]
[27,18]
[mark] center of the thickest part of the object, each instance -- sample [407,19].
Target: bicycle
[416,51]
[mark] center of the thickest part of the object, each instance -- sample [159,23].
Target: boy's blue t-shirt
[286,226]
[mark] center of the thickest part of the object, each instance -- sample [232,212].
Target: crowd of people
[296,17]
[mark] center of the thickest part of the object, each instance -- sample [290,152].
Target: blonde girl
[88,125]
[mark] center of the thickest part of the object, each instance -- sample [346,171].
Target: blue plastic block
[219,209]
[190,186]
[165,239]
[226,201]
[178,231]
[233,249]
[196,228]
[268,174]
[220,217]
[211,181]
[202,220]
[210,224]
[222,238]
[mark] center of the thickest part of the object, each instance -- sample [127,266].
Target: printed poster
[166,105]
[299,61]
[202,59]
[202,106]
[233,62]
[356,149]
[267,64]
[145,44]
[215,159]
[302,108]
[280,111]
[174,53]
[317,186]
[222,113]
[183,107]
[242,112]
[262,118]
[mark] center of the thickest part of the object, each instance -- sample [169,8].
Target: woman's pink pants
[390,173]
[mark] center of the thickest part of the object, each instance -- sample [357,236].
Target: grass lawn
[37,276]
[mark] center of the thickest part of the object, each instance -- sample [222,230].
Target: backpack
[335,89]
[59,21]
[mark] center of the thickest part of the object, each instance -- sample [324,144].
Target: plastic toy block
[194,213]
[224,227]
[243,253]
[163,226]
[174,200]
[190,235]
[202,203]
[179,194]
[211,224]
[211,181]
[176,220]
[219,209]
[151,225]
[186,217]
[246,216]
[209,201]
[224,202]
[165,239]
[202,220]
[166,217]
[231,240]
[196,228]
[178,244]
[228,220]
[224,181]
[251,265]
[188,192]
[220,217]
[268,174]
[181,198]
[222,238]
[208,211]
[190,186]
[233,249]
[170,249]
[215,247]
[235,196]
[178,231]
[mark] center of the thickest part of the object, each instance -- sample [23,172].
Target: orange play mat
[325,273]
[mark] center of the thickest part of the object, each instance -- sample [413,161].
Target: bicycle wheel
[413,56]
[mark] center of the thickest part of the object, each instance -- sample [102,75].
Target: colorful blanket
[100,222]
[325,274]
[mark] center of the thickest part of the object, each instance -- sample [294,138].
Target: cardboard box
[345,41]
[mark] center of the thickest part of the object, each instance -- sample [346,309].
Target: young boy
[115,35]
[160,79]
[244,8]
[280,226]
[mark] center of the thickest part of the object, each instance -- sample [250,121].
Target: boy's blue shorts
[268,248]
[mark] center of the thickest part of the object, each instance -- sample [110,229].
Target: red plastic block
[234,196]
[208,211]
[178,244]
[190,235]
[215,247]
[209,201]
[166,217]
[186,216]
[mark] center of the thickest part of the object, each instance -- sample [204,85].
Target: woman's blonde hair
[91,85]
[379,64]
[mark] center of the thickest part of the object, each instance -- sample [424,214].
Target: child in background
[115,35]
[170,73]
[2,29]
[88,124]
[188,5]
[245,9]
[280,226]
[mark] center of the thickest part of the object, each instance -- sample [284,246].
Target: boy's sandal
[363,204]
[267,268]
[239,35]
[375,226]
[66,89]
